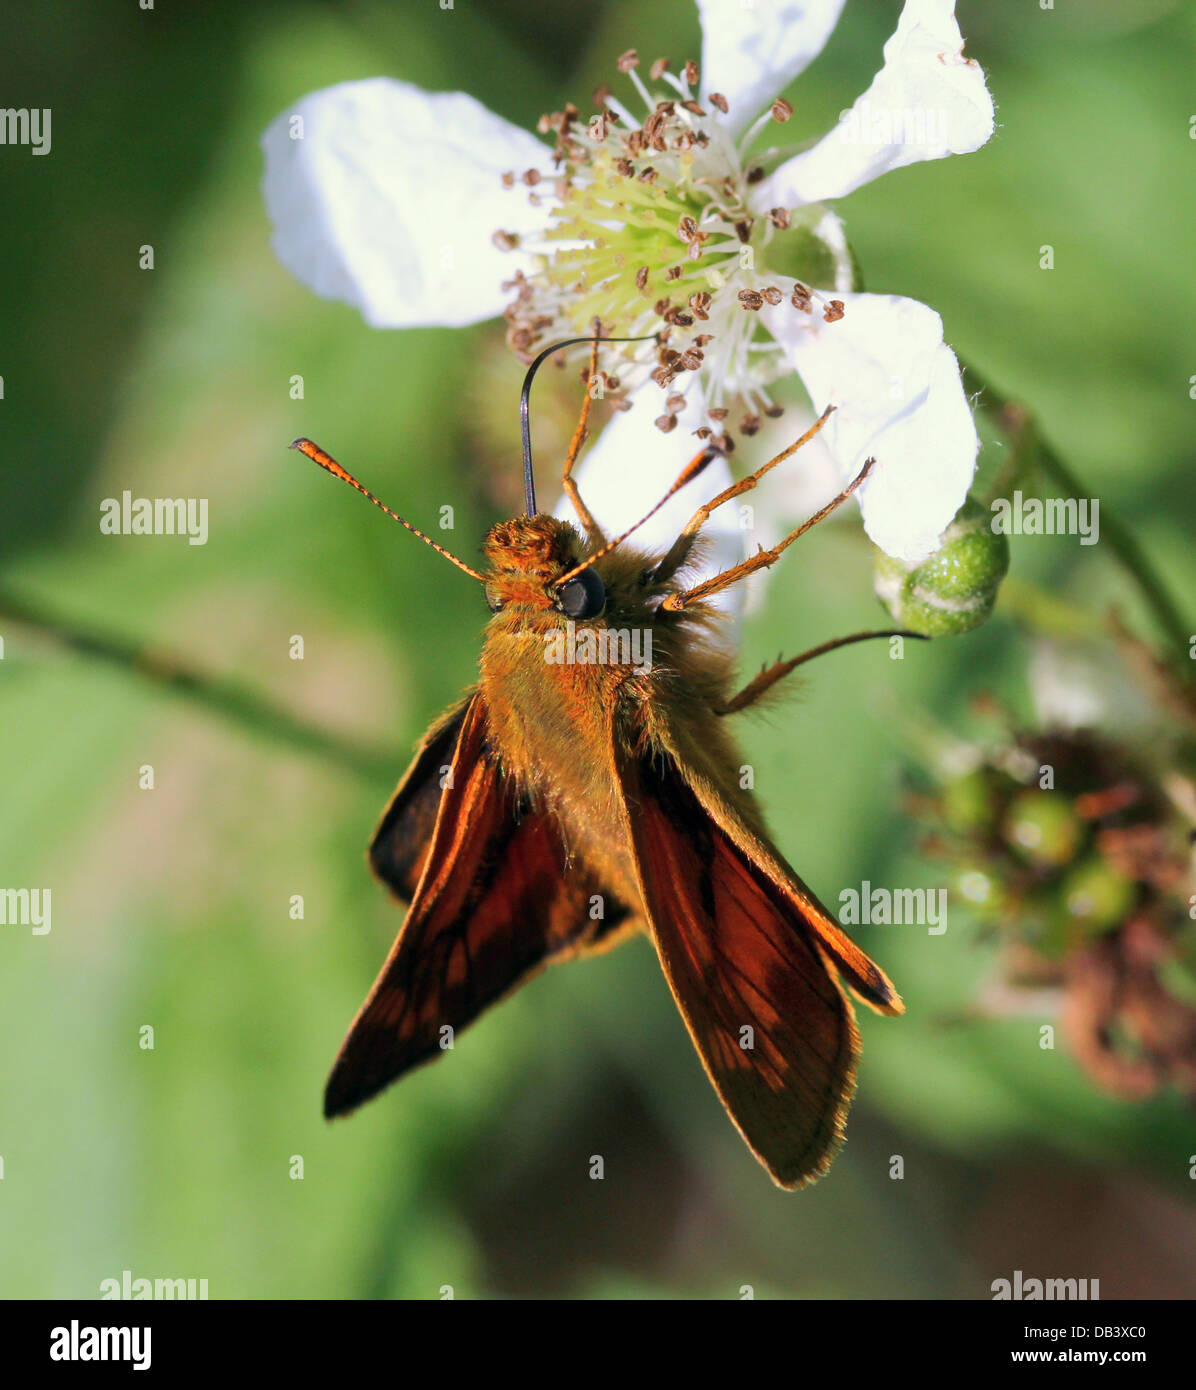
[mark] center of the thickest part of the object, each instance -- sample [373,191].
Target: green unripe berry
[954,589]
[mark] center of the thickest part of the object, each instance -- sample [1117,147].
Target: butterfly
[579,794]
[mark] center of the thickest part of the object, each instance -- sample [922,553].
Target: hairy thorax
[551,721]
[562,694]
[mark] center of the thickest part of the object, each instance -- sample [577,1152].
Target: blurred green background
[171,906]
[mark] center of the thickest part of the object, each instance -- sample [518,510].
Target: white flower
[425,209]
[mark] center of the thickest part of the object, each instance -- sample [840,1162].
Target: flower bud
[954,589]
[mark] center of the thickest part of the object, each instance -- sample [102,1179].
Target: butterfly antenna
[687,475]
[529,481]
[327,462]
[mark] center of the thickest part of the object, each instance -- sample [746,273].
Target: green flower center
[650,232]
[641,242]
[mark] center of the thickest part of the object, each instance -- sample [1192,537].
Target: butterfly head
[528,558]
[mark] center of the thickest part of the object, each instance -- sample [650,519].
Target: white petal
[900,400]
[632,464]
[751,52]
[391,197]
[928,101]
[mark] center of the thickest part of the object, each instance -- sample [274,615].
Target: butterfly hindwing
[399,848]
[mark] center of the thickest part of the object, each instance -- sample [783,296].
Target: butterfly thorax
[560,691]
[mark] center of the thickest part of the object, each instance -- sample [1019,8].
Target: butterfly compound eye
[583,597]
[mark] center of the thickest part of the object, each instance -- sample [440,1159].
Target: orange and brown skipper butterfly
[594,779]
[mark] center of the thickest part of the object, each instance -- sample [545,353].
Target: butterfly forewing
[741,953]
[495,902]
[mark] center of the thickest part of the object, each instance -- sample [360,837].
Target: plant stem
[227,699]
[1030,445]
[1125,546]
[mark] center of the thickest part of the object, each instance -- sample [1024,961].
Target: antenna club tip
[699,463]
[298,443]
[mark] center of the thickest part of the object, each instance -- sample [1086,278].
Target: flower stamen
[641,210]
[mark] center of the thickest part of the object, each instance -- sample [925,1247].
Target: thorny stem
[1030,448]
[168,672]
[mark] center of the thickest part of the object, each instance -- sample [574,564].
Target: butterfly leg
[585,516]
[679,551]
[769,676]
[763,558]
